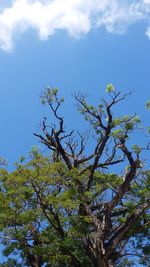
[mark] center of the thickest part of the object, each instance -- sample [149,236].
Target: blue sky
[80,48]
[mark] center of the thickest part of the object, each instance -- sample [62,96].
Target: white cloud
[77,17]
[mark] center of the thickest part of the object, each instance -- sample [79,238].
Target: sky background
[77,46]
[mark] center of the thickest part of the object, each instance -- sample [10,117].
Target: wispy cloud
[77,17]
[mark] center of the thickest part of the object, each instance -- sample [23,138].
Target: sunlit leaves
[50,95]
[118,133]
[116,121]
[136,149]
[110,88]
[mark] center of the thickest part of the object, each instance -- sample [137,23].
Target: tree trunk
[34,261]
[103,263]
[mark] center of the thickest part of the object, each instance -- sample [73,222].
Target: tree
[75,209]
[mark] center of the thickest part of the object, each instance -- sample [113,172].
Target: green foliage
[67,208]
[110,88]
[24,214]
[136,149]
[26,196]
[50,95]
[118,133]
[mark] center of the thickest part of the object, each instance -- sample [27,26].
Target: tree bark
[102,262]
[34,261]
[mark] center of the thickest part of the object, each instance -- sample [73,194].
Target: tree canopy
[73,207]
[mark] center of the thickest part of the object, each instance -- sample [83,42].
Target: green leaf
[118,133]
[136,119]
[129,126]
[110,88]
[116,121]
[136,149]
[22,158]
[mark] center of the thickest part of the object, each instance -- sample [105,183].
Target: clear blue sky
[70,60]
